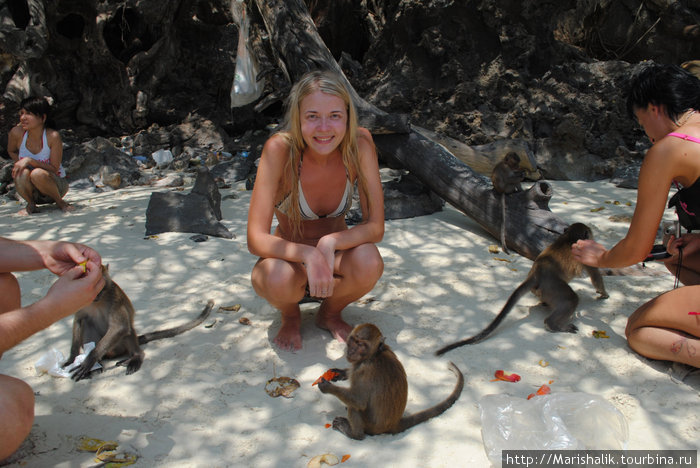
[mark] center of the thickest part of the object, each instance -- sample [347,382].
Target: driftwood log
[531,225]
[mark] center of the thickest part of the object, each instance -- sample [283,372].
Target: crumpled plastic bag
[52,361]
[246,88]
[162,157]
[558,421]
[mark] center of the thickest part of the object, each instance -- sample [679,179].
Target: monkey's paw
[552,326]
[83,371]
[132,364]
[342,424]
[324,386]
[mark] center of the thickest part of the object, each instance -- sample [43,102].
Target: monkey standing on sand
[376,398]
[548,279]
[506,178]
[109,322]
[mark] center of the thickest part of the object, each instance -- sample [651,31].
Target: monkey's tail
[422,416]
[519,292]
[170,332]
[503,223]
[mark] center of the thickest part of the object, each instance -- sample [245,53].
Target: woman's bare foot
[289,336]
[335,324]
[66,207]
[29,209]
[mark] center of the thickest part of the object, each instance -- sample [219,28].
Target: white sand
[199,398]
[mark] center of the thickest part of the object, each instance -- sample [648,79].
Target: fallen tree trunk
[531,226]
[483,158]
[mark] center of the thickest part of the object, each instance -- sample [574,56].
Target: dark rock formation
[97,158]
[479,71]
[198,211]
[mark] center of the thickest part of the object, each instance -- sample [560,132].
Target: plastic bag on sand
[246,88]
[559,421]
[52,362]
[162,157]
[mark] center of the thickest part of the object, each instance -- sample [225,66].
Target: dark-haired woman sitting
[37,152]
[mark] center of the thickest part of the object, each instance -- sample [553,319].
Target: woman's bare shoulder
[16,132]
[364,140]
[277,143]
[364,135]
[53,136]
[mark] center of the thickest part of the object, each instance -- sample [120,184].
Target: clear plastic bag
[246,88]
[162,157]
[52,362]
[559,421]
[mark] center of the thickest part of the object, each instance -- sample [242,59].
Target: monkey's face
[357,349]
[362,342]
[512,160]
[578,231]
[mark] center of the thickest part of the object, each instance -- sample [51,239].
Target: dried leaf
[620,218]
[543,363]
[281,386]
[494,249]
[600,334]
[327,426]
[344,458]
[502,259]
[231,308]
[90,444]
[595,210]
[244,321]
[110,455]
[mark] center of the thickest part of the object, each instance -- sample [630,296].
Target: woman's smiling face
[324,120]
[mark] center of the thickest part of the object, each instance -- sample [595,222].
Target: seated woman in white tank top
[37,152]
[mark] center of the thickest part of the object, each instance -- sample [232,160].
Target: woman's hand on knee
[319,274]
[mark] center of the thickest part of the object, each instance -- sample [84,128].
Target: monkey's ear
[381,344]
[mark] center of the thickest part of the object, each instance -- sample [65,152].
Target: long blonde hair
[330,83]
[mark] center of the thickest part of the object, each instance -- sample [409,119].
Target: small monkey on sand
[549,279]
[109,322]
[506,179]
[376,397]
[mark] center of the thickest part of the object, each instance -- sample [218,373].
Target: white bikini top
[343,207]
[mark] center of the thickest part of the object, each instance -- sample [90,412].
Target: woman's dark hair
[669,85]
[36,105]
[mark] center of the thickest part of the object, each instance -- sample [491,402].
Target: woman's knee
[17,412]
[41,179]
[39,175]
[278,278]
[367,263]
[23,180]
[10,295]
